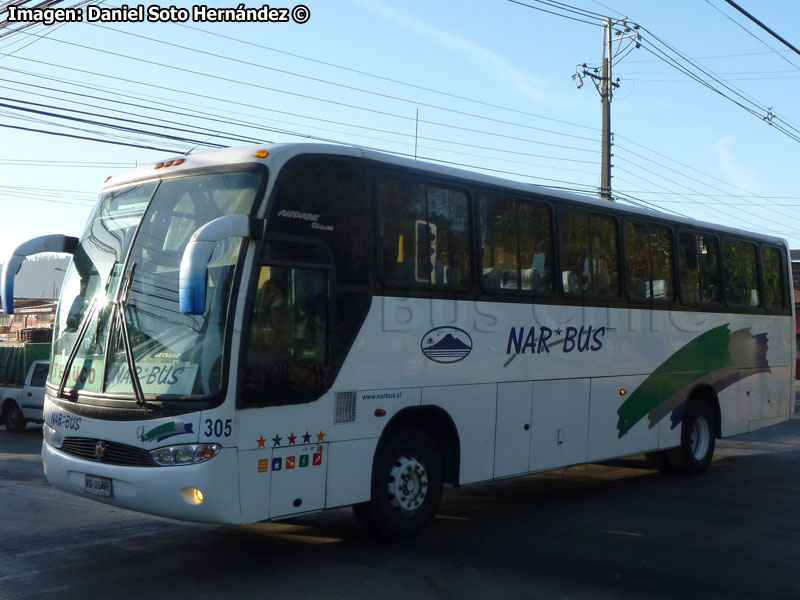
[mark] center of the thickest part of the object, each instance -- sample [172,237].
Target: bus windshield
[130,253]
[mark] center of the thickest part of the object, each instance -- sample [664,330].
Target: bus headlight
[185,454]
[52,437]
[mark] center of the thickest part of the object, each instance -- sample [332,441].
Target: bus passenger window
[589,255]
[637,261]
[515,245]
[741,285]
[699,276]
[648,259]
[661,260]
[424,234]
[772,267]
[688,273]
[535,247]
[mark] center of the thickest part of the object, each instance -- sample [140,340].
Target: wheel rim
[408,485]
[701,438]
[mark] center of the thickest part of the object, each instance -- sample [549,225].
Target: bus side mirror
[46,243]
[194,264]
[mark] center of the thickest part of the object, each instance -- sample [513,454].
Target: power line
[387,79]
[33,162]
[763,26]
[750,33]
[414,102]
[384,113]
[81,137]
[573,185]
[682,174]
[300,95]
[716,206]
[556,13]
[764,114]
[110,125]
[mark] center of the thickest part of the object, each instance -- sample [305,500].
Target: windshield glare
[144,229]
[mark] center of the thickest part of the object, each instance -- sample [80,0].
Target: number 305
[217,428]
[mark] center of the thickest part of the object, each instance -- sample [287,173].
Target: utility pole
[605,87]
[605,99]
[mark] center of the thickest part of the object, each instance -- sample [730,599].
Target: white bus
[254,333]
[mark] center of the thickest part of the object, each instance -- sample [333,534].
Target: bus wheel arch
[412,460]
[434,422]
[700,426]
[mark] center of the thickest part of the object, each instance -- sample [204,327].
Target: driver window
[287,357]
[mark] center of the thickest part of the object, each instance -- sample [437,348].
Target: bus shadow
[536,499]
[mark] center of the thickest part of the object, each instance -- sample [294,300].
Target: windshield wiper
[82,333]
[119,313]
[74,352]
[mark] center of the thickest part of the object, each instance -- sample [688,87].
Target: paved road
[602,531]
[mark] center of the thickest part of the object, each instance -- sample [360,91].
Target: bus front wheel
[406,486]
[698,434]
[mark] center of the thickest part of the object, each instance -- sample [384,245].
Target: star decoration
[261,441]
[558,331]
[307,438]
[276,440]
[320,436]
[292,439]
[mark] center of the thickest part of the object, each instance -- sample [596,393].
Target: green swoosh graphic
[706,353]
[716,357]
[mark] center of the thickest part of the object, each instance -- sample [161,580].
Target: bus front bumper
[164,491]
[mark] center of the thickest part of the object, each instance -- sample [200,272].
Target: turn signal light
[261,153]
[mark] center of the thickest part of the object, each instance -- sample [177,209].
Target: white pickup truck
[23,403]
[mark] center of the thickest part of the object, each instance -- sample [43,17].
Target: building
[32,321]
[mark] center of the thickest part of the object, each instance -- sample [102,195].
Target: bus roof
[278,154]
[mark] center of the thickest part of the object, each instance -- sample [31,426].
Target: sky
[484,85]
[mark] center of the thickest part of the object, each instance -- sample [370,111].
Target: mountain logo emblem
[446,344]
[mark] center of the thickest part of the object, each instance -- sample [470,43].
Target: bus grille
[112,454]
[345,407]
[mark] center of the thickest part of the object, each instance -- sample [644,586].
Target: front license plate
[99,486]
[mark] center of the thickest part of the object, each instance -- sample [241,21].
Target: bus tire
[12,417]
[658,461]
[698,435]
[406,486]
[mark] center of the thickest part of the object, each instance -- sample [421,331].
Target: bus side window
[425,234]
[535,247]
[741,284]
[772,274]
[648,259]
[688,271]
[589,254]
[637,261]
[709,262]
[515,244]
[699,268]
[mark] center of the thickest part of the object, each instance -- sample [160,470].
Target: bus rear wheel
[406,486]
[698,436]
[12,417]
